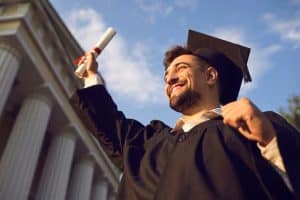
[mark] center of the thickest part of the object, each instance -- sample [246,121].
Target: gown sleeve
[101,117]
[288,139]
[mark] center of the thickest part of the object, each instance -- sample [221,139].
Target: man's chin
[177,103]
[184,101]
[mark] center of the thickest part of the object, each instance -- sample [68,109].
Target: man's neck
[197,111]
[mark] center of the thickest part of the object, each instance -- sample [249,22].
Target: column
[81,180]
[21,153]
[100,189]
[9,65]
[54,180]
[112,196]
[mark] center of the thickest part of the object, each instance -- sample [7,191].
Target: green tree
[292,112]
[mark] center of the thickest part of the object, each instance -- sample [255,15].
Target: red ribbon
[77,60]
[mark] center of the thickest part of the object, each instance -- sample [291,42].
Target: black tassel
[245,69]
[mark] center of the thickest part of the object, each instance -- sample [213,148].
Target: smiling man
[183,79]
[207,154]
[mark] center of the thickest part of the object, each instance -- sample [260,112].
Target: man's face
[184,82]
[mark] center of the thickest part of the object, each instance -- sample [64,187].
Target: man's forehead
[184,58]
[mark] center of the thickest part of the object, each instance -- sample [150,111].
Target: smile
[176,87]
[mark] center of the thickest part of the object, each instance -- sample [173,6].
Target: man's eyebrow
[182,62]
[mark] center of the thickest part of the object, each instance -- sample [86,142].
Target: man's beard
[185,100]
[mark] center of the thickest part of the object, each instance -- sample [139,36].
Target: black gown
[211,161]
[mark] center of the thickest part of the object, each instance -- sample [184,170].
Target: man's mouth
[176,87]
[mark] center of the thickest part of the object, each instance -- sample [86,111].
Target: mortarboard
[229,59]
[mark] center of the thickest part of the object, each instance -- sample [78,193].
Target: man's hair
[176,51]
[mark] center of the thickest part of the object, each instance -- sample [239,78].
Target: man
[203,156]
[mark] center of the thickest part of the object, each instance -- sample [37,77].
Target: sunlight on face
[183,82]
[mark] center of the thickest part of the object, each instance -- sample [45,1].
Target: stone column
[81,180]
[9,65]
[54,180]
[112,196]
[100,189]
[21,153]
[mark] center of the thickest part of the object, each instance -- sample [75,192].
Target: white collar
[187,126]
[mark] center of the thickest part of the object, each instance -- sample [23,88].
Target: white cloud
[190,4]
[294,2]
[288,29]
[156,8]
[169,10]
[126,72]
[260,60]
[150,6]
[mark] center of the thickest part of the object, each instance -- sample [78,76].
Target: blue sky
[132,63]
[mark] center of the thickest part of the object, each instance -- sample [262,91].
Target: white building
[46,152]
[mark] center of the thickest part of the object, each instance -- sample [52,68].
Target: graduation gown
[211,161]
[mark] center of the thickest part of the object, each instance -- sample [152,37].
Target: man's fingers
[86,58]
[232,117]
[81,60]
[236,116]
[248,135]
[237,112]
[228,106]
[231,112]
[92,65]
[89,57]
[231,122]
[248,120]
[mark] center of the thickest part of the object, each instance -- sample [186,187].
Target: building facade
[46,152]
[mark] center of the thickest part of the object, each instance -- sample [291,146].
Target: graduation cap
[229,59]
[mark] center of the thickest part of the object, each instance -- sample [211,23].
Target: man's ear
[211,75]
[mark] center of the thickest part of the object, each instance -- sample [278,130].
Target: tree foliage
[292,112]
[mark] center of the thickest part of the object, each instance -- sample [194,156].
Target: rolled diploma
[98,48]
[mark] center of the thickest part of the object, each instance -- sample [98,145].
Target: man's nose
[172,78]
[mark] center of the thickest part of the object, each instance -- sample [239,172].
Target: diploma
[98,48]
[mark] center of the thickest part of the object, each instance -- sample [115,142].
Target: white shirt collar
[187,126]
